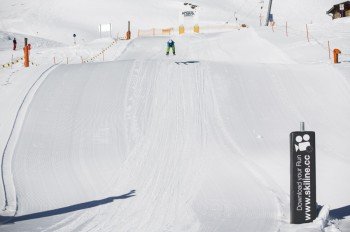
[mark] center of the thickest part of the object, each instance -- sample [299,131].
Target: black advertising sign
[303,206]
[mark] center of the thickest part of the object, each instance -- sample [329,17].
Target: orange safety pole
[128,33]
[26,53]
[307,33]
[336,53]
[26,56]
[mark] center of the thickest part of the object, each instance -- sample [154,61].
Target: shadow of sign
[340,213]
[72,208]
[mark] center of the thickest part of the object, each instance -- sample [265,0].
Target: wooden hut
[340,10]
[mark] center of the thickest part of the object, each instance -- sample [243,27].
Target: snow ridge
[8,185]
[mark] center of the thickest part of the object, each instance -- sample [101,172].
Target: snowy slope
[196,142]
[195,145]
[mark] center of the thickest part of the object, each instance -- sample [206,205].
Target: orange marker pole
[26,53]
[336,53]
[128,33]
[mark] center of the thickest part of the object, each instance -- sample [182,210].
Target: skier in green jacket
[170,45]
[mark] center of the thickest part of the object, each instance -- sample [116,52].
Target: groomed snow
[138,141]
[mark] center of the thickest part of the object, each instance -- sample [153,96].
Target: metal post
[100,30]
[110,30]
[329,50]
[302,126]
[268,13]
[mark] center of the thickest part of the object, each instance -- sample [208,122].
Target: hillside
[60,19]
[116,136]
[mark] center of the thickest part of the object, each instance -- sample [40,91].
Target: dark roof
[346,3]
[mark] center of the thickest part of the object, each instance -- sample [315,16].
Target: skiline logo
[303,143]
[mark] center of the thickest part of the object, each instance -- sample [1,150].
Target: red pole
[307,33]
[260,19]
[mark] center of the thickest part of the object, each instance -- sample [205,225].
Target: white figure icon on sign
[303,143]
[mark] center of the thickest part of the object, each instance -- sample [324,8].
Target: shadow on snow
[187,62]
[69,209]
[340,213]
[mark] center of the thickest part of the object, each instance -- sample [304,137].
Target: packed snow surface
[129,139]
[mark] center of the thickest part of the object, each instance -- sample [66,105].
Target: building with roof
[340,10]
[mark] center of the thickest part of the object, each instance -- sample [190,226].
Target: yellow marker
[181,29]
[196,28]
